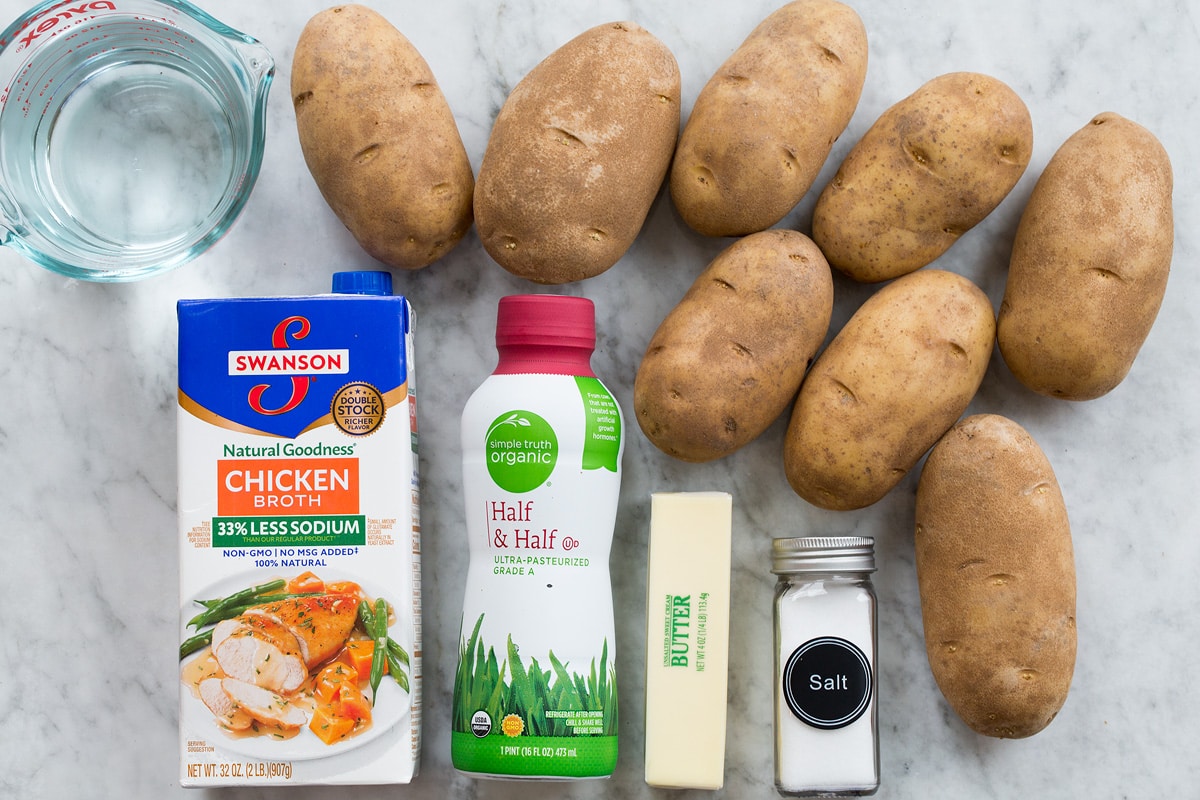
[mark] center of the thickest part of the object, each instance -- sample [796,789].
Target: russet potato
[928,170]
[894,379]
[577,155]
[764,124]
[727,361]
[996,573]
[379,137]
[1090,262]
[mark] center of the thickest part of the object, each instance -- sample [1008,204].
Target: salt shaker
[826,720]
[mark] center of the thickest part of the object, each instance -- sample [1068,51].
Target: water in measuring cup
[138,154]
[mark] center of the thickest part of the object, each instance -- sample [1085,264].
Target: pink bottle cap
[547,320]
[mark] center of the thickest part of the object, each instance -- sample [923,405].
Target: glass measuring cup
[131,134]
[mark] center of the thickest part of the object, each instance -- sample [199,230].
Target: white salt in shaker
[826,720]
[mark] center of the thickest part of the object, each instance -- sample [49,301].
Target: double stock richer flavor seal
[827,682]
[358,409]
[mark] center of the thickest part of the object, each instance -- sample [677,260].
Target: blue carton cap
[370,282]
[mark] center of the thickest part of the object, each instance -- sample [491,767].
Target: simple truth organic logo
[522,450]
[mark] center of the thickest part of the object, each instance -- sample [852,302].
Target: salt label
[828,682]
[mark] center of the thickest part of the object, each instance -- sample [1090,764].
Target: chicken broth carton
[300,627]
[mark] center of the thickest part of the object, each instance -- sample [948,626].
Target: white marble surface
[88,678]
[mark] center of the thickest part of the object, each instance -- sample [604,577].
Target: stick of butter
[687,639]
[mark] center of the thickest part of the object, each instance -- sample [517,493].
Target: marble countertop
[88,676]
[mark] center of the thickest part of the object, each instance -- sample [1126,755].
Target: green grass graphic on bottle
[507,710]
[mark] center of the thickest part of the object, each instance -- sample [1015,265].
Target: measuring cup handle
[259,62]
[10,216]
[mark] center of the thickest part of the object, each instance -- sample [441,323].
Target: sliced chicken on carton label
[299,533]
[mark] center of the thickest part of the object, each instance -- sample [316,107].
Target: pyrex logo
[48,20]
[298,365]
